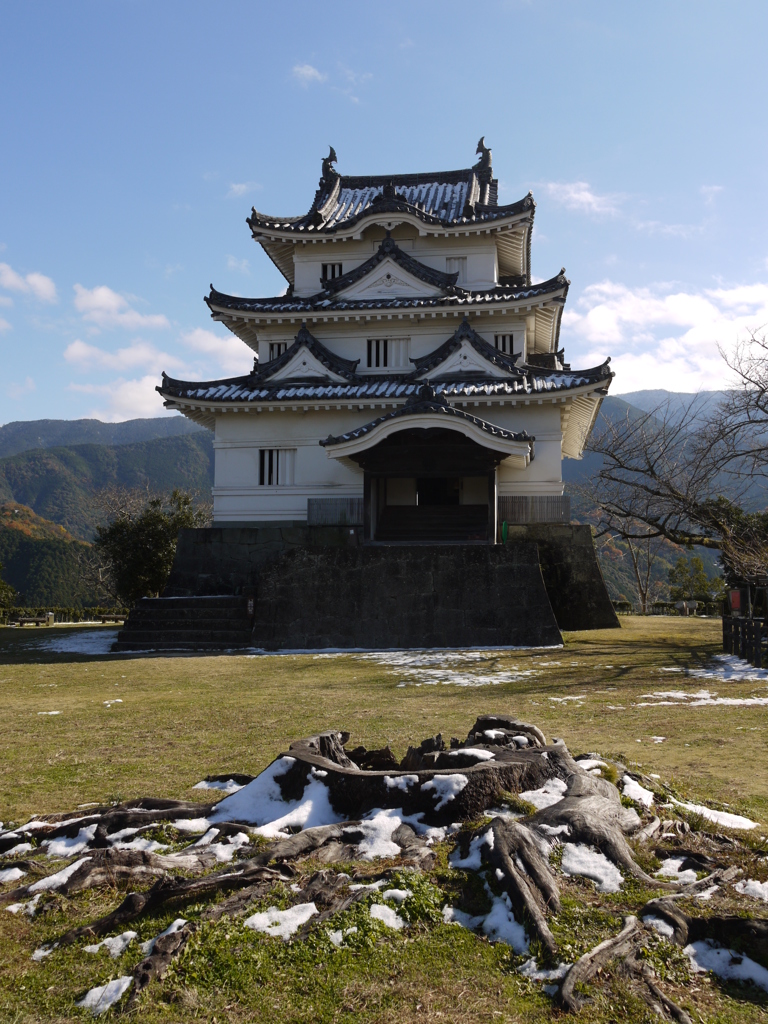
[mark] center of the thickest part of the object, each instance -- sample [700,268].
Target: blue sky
[136,136]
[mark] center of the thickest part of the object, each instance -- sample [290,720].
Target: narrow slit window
[377,352]
[331,271]
[276,349]
[276,467]
[509,344]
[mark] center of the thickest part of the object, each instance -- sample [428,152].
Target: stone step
[214,636]
[208,602]
[157,620]
[189,644]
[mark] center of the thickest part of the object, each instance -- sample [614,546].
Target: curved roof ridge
[305,339]
[465,332]
[390,249]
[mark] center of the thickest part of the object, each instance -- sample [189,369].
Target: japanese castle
[408,388]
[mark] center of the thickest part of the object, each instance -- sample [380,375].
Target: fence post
[757,661]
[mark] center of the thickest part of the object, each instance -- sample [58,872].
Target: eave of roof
[389,249]
[304,339]
[322,302]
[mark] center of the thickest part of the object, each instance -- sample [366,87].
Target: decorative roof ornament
[329,172]
[483,166]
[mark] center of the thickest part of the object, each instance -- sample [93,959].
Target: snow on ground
[452,915]
[446,788]
[16,851]
[87,641]
[500,924]
[70,847]
[659,925]
[11,875]
[149,945]
[474,858]
[101,998]
[115,946]
[671,869]
[719,817]
[398,895]
[728,666]
[530,969]
[749,887]
[49,712]
[261,803]
[54,881]
[447,668]
[228,787]
[29,908]
[403,782]
[281,924]
[583,860]
[726,963]
[387,916]
[338,936]
[192,824]
[636,792]
[552,792]
[42,952]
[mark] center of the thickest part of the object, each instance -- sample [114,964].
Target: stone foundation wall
[572,574]
[404,597]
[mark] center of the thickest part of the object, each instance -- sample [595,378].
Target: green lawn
[184,717]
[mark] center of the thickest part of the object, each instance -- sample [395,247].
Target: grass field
[181,718]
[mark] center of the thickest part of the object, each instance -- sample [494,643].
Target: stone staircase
[433,524]
[187,623]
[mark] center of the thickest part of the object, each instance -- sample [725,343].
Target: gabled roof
[428,402]
[344,368]
[389,249]
[465,333]
[327,302]
[440,198]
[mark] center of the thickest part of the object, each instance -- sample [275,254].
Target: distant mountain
[700,403]
[60,483]
[24,435]
[17,517]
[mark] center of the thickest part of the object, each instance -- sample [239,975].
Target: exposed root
[586,966]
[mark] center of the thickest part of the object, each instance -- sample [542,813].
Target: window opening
[457,264]
[331,271]
[276,466]
[506,343]
[391,353]
[276,349]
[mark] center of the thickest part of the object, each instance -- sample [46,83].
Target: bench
[111,618]
[41,621]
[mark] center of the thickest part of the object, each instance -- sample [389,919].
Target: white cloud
[239,189]
[6,300]
[125,399]
[233,263]
[709,192]
[39,285]
[657,227]
[229,354]
[4,325]
[578,195]
[138,354]
[661,336]
[19,390]
[106,308]
[306,74]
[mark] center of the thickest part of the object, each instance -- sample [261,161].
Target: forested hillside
[23,435]
[60,484]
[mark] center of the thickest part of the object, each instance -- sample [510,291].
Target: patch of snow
[671,869]
[670,670]
[451,915]
[589,863]
[726,963]
[530,969]
[446,788]
[658,739]
[261,803]
[478,752]
[29,908]
[589,763]
[338,936]
[102,997]
[552,792]
[224,852]
[633,789]
[90,641]
[208,838]
[42,952]
[16,851]
[707,894]
[192,824]
[659,925]
[148,845]
[70,847]
[554,830]
[474,858]
[749,887]
[398,895]
[115,700]
[500,925]
[565,700]
[228,787]
[115,946]
[728,666]
[719,817]
[59,879]
[373,885]
[387,916]
[49,712]
[281,924]
[377,831]
[403,782]
[149,945]
[10,875]
[495,734]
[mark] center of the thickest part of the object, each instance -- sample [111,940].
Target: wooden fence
[744,638]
